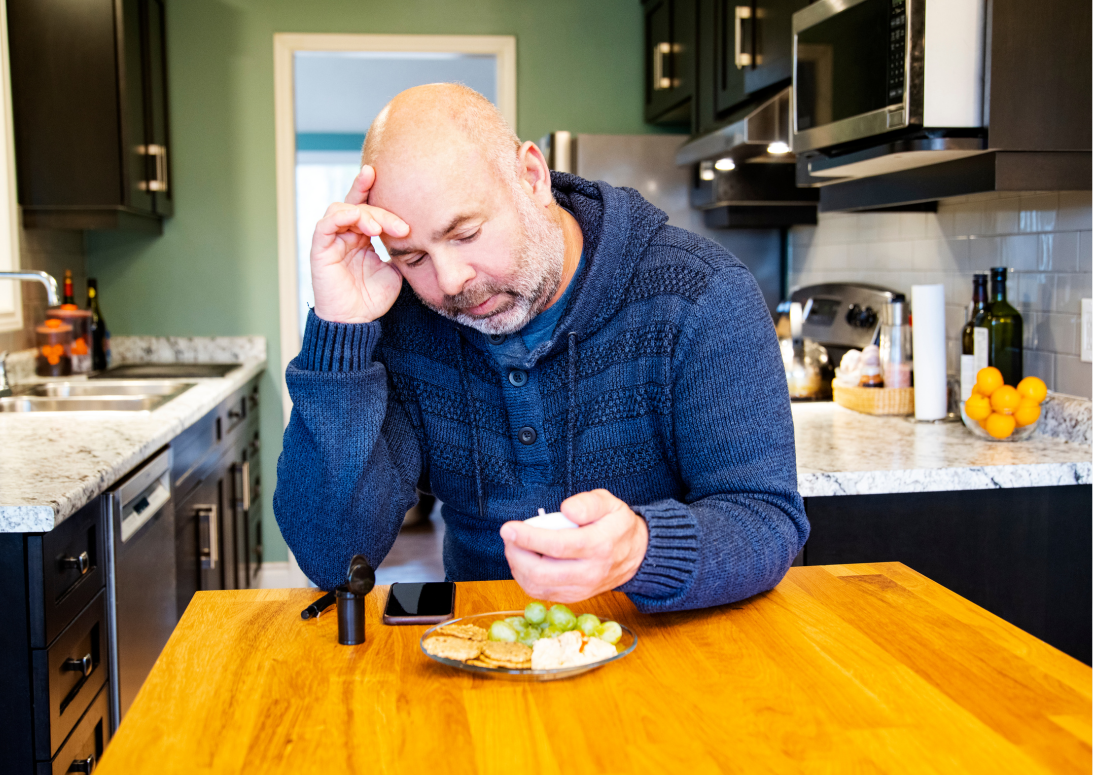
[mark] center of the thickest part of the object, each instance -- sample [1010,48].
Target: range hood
[744,176]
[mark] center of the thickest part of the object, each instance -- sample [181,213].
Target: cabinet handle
[209,546]
[740,57]
[83,765]
[660,80]
[82,563]
[244,468]
[159,153]
[235,414]
[84,665]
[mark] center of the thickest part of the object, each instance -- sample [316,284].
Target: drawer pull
[235,414]
[83,765]
[83,665]
[82,563]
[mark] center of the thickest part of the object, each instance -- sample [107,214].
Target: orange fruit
[1032,387]
[1005,399]
[1028,412]
[977,407]
[1000,425]
[988,380]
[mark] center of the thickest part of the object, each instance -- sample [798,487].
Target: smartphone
[430,602]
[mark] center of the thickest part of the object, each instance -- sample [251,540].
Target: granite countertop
[52,464]
[843,452]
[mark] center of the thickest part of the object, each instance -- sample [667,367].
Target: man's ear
[535,173]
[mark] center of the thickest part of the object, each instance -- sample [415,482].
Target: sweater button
[518,378]
[496,338]
[527,435]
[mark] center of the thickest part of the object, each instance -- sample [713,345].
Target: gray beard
[533,283]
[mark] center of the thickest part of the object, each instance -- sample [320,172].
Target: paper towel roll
[928,332]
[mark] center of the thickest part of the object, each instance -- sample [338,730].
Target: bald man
[535,341]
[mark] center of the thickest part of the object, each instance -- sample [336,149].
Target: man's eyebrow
[439,234]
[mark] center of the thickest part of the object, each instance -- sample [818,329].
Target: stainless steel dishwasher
[141,578]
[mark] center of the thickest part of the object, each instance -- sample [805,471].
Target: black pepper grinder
[360,578]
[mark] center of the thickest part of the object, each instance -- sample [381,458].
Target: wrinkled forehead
[425,188]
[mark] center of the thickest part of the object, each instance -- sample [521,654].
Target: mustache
[472,297]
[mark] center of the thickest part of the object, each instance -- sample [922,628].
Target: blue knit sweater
[662,383]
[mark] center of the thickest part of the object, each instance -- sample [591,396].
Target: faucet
[41,277]
[5,388]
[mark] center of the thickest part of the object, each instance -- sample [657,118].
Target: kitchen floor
[417,553]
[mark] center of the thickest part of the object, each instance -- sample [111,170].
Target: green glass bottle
[1006,331]
[975,338]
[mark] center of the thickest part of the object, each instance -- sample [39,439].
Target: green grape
[551,632]
[561,617]
[610,632]
[501,630]
[535,612]
[588,624]
[528,637]
[517,623]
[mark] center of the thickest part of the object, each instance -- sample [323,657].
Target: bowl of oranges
[1001,412]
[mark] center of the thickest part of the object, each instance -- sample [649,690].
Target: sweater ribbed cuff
[337,346]
[672,555]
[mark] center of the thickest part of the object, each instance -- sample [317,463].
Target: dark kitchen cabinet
[670,43]
[744,56]
[89,100]
[752,48]
[54,697]
[218,483]
[1022,554]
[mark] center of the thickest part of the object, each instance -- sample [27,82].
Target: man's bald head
[442,119]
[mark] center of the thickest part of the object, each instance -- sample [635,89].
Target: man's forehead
[431,197]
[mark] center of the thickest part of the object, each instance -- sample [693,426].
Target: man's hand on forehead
[352,283]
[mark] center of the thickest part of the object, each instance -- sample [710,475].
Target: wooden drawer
[66,675]
[66,568]
[84,747]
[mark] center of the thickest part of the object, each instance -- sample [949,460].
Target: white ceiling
[343,91]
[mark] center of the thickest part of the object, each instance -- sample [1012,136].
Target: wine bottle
[975,339]
[100,336]
[69,297]
[1006,328]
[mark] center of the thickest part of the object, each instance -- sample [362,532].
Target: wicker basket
[893,401]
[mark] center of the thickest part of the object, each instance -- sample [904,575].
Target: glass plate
[627,643]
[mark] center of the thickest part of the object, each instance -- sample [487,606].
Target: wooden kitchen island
[864,668]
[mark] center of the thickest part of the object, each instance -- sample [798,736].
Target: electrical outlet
[1087,330]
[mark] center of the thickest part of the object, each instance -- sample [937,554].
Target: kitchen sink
[109,388]
[165,371]
[102,396]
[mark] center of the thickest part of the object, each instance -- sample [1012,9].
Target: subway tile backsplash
[1044,238]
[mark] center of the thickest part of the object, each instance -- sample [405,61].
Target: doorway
[327,90]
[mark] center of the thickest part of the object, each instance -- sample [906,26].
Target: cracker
[506,654]
[504,665]
[452,648]
[478,663]
[464,631]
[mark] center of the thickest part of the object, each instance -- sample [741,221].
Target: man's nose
[452,275]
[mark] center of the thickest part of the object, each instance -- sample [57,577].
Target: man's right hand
[351,284]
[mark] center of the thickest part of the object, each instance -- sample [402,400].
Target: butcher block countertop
[863,668]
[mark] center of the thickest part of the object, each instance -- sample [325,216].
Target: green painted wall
[214,269]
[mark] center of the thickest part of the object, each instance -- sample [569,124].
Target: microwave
[864,68]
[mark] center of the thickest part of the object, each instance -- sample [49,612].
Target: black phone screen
[431,598]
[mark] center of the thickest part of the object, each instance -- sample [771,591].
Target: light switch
[1087,330]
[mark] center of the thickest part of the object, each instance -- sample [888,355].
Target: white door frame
[284,46]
